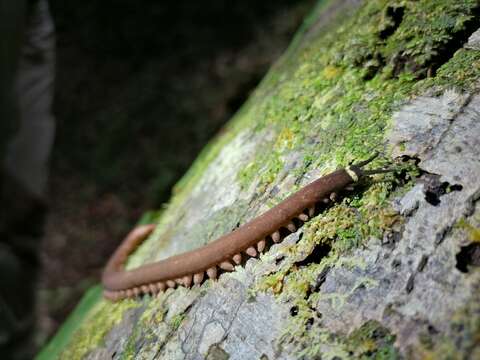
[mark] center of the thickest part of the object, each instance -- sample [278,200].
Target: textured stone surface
[474,41]
[412,284]
[421,124]
[118,337]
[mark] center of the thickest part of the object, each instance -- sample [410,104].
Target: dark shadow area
[319,252]
[435,189]
[469,256]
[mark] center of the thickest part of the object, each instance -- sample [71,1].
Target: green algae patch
[338,229]
[99,320]
[372,341]
[351,223]
[153,314]
[472,232]
[66,332]
[155,326]
[86,327]
[177,320]
[461,72]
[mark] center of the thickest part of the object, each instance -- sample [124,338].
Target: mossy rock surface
[392,269]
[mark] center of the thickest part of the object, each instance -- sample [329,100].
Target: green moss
[152,330]
[150,217]
[272,282]
[86,327]
[177,320]
[246,175]
[101,318]
[350,223]
[344,226]
[130,347]
[324,90]
[372,341]
[428,30]
[68,329]
[329,110]
[473,232]
[461,72]
[153,314]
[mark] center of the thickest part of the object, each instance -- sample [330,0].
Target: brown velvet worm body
[223,254]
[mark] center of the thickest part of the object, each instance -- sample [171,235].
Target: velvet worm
[224,253]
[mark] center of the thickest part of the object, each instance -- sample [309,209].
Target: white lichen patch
[473,42]
[421,124]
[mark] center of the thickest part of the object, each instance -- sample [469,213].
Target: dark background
[141,87]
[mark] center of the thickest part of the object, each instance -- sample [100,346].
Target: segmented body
[193,267]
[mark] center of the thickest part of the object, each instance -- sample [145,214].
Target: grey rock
[416,285]
[474,41]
